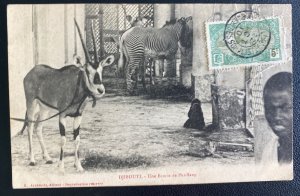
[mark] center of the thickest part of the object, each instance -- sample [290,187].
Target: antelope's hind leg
[32,112]
[30,134]
[39,128]
[76,129]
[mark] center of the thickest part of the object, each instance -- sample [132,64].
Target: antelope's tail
[24,126]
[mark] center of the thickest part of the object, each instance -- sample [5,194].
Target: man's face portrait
[279,104]
[279,112]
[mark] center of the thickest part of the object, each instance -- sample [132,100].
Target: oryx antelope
[65,90]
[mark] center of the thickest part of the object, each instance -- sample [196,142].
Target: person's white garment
[266,142]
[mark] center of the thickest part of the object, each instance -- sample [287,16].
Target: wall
[20,57]
[162,13]
[56,32]
[50,36]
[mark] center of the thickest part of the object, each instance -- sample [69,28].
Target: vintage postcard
[149,94]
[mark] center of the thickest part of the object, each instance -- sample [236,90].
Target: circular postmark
[247,34]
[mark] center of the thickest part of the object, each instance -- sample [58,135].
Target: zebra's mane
[171,22]
[185,38]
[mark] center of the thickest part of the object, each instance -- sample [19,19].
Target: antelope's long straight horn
[94,44]
[83,45]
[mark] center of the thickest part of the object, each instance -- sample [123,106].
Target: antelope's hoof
[32,163]
[61,170]
[49,162]
[78,167]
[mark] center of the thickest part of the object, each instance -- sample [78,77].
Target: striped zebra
[138,44]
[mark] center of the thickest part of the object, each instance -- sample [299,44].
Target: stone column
[234,78]
[163,13]
[202,78]
[185,54]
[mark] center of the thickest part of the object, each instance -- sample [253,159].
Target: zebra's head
[186,38]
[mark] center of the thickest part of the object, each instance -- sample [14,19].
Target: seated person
[196,120]
[278,104]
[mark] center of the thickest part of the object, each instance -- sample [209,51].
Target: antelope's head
[93,69]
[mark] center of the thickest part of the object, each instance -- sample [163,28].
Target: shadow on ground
[103,161]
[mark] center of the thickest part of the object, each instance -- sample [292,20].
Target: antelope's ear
[76,59]
[108,61]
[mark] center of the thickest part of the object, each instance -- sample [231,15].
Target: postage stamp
[245,38]
[166,118]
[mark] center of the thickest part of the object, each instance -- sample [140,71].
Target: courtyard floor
[128,132]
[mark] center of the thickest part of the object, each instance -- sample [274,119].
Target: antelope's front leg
[62,130]
[39,130]
[76,128]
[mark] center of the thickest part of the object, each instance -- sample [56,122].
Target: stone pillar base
[201,86]
[170,68]
[186,75]
[158,67]
[228,107]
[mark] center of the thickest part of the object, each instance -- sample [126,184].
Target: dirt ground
[127,133]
